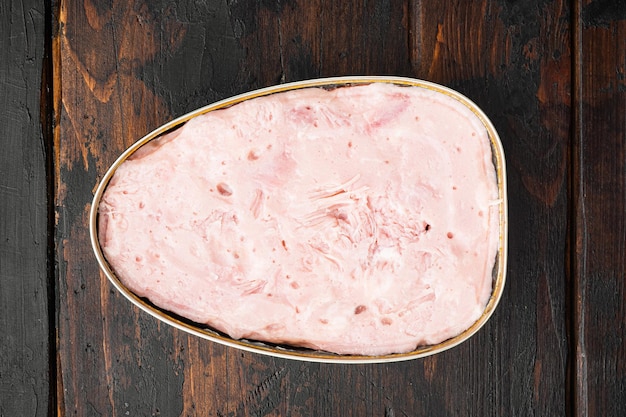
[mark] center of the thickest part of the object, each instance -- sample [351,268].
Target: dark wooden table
[80,80]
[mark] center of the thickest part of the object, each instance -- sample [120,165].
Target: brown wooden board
[24,295]
[122,68]
[599,200]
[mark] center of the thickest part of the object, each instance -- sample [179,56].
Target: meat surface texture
[356,220]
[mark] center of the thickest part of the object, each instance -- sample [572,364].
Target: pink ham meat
[357,220]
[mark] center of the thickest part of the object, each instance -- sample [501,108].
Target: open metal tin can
[203,331]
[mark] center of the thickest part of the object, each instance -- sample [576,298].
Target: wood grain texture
[600,209]
[126,67]
[24,340]
[518,72]
[107,367]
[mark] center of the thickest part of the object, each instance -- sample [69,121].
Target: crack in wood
[263,399]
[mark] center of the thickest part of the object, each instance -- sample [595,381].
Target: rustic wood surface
[598,186]
[24,293]
[81,80]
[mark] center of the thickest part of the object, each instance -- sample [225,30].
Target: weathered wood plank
[599,240]
[513,60]
[113,360]
[24,315]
